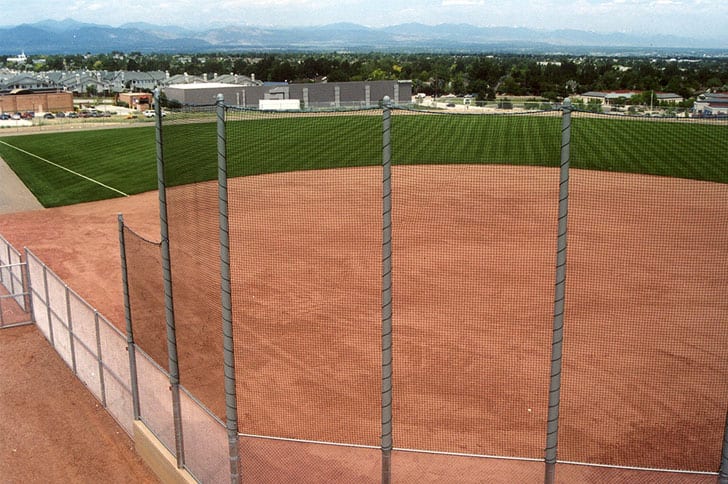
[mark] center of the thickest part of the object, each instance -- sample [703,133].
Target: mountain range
[71,37]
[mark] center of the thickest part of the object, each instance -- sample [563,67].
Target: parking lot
[84,117]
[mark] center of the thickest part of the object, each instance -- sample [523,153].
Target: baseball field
[645,382]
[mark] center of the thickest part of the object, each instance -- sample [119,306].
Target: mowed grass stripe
[675,149]
[80,175]
[120,158]
[126,159]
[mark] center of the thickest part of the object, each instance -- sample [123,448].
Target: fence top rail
[323,110]
[15,264]
[10,247]
[634,468]
[474,112]
[140,351]
[202,406]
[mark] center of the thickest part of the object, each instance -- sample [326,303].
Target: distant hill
[70,37]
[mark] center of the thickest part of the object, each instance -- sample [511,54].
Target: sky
[687,18]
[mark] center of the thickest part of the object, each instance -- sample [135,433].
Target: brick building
[22,100]
[137,100]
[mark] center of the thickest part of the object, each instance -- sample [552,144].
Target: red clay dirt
[52,428]
[472,312]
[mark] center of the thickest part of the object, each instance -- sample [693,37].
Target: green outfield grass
[120,158]
[125,158]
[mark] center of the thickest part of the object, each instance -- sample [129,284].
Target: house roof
[667,95]
[236,79]
[611,94]
[627,94]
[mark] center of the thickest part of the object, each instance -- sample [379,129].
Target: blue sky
[690,18]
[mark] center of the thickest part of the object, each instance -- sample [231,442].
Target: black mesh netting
[474,207]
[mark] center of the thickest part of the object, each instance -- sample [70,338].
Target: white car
[149,113]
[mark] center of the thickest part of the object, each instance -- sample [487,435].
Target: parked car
[4,116]
[150,113]
[61,115]
[16,116]
[48,116]
[71,114]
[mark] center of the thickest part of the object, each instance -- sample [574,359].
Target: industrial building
[310,95]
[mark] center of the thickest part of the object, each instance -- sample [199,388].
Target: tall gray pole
[386,294]
[127,317]
[723,473]
[168,296]
[552,426]
[231,401]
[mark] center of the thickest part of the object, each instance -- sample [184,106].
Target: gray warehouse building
[311,95]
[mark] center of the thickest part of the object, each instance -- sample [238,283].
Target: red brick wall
[45,102]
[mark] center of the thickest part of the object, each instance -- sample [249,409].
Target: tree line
[484,76]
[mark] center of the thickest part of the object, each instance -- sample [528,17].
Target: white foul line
[64,168]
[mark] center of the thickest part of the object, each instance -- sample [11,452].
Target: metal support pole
[70,328]
[552,426]
[2,268]
[10,274]
[100,359]
[386,294]
[168,296]
[231,402]
[30,286]
[131,348]
[49,311]
[723,472]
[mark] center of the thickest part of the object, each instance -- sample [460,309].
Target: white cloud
[462,3]
[683,17]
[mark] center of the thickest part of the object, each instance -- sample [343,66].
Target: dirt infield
[636,376]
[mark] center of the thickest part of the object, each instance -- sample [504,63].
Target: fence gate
[14,294]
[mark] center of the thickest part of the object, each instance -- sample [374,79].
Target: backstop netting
[146,294]
[305,236]
[189,143]
[645,379]
[474,224]
[475,203]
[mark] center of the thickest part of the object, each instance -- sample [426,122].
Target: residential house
[180,79]
[137,81]
[23,81]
